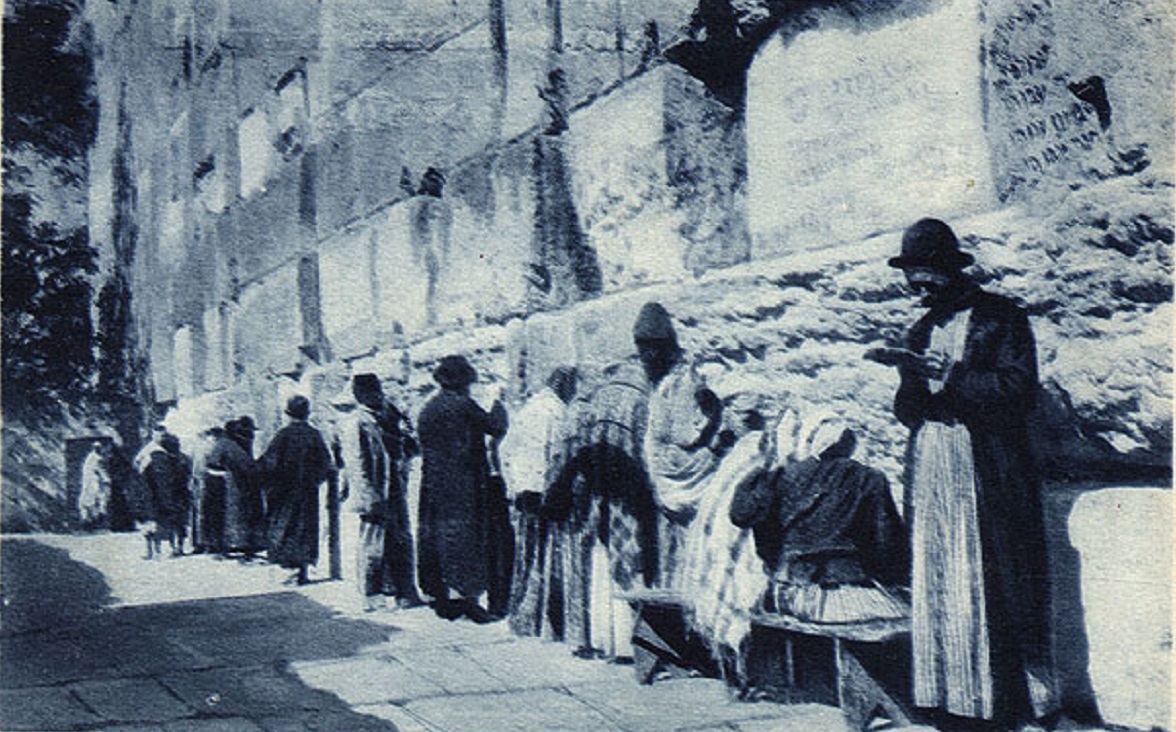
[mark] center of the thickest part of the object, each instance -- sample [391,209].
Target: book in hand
[893,356]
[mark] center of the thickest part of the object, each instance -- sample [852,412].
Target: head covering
[298,407]
[931,243]
[170,443]
[242,426]
[562,381]
[654,324]
[454,372]
[367,390]
[818,432]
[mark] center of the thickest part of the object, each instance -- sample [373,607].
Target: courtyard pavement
[93,637]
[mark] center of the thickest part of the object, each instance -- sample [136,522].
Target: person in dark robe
[453,530]
[232,498]
[166,475]
[377,444]
[294,466]
[979,590]
[828,532]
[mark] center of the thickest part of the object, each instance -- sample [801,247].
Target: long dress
[453,527]
[680,464]
[979,588]
[604,494]
[367,470]
[532,454]
[294,466]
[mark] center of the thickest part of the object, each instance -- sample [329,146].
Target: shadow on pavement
[42,588]
[71,662]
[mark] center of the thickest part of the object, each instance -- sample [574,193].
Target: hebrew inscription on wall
[891,129]
[1041,122]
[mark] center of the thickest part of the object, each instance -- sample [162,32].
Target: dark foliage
[47,268]
[47,99]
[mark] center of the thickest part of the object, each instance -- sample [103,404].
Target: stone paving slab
[224,724]
[326,721]
[799,718]
[366,680]
[131,700]
[421,628]
[253,692]
[518,711]
[293,640]
[530,662]
[451,669]
[669,705]
[42,709]
[404,720]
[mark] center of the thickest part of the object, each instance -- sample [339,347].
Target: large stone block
[890,129]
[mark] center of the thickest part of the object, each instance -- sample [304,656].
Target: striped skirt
[949,628]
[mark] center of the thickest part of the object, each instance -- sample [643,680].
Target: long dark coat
[166,477]
[991,391]
[294,465]
[453,526]
[234,512]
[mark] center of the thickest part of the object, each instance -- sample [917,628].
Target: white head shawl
[799,437]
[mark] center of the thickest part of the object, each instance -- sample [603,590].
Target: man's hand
[932,365]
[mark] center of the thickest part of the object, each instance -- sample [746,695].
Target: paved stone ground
[94,638]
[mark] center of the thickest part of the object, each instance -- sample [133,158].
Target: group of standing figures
[650,480]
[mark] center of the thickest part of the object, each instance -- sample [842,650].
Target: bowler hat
[931,243]
[454,372]
[298,407]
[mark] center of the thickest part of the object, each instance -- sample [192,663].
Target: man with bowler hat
[454,527]
[980,596]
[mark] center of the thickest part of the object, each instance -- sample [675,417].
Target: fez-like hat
[298,407]
[654,324]
[367,389]
[454,372]
[931,243]
[170,443]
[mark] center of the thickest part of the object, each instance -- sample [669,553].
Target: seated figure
[828,531]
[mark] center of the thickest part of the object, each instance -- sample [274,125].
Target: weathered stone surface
[366,680]
[1124,539]
[43,708]
[131,700]
[517,710]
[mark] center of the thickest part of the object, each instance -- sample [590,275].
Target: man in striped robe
[980,593]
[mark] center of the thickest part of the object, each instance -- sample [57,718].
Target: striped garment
[949,628]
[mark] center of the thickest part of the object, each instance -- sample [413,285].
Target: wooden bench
[662,640]
[861,667]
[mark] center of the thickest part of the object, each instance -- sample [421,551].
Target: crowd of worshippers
[649,480]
